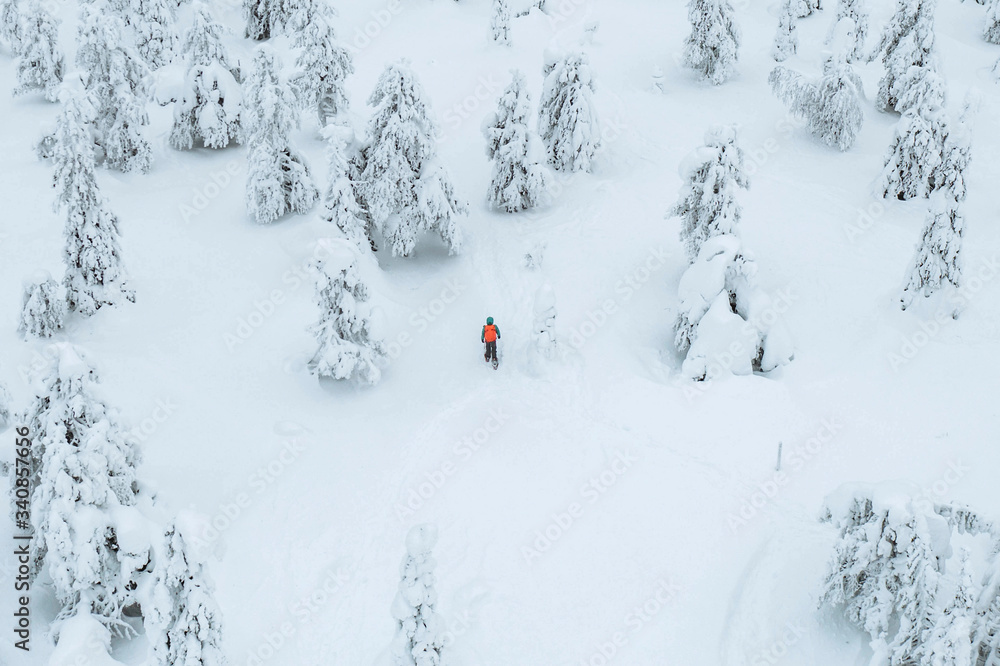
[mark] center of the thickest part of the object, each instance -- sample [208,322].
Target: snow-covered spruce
[567,116]
[40,63]
[86,471]
[153,28]
[116,81]
[855,14]
[181,618]
[519,179]
[938,258]
[278,181]
[804,8]
[419,639]
[208,111]
[957,152]
[322,66]
[500,23]
[987,634]
[707,203]
[268,18]
[949,642]
[340,202]
[95,276]
[712,48]
[786,39]
[724,324]
[347,347]
[884,573]
[831,108]
[43,307]
[915,155]
[400,186]
[907,41]
[10,24]
[991,31]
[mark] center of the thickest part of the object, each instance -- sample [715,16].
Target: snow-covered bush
[544,329]
[804,8]
[855,14]
[915,154]
[402,189]
[786,39]
[519,180]
[419,639]
[987,635]
[40,63]
[938,259]
[500,23]
[707,203]
[907,41]
[712,48]
[85,463]
[116,81]
[885,570]
[567,116]
[831,108]
[43,307]
[725,324]
[347,347]
[322,66]
[5,408]
[95,276]
[278,181]
[340,202]
[209,108]
[182,620]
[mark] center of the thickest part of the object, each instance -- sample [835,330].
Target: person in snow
[491,333]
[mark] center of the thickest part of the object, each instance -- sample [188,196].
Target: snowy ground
[637,477]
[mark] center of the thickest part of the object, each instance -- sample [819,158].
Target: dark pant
[491,351]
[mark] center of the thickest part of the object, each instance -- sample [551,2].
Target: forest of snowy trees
[275,89]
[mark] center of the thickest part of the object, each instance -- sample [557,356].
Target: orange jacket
[490,333]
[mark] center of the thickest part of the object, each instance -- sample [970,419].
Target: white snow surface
[620,475]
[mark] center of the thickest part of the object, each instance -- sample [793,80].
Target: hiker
[490,335]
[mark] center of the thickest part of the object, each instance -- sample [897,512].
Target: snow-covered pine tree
[804,8]
[209,108]
[991,31]
[95,276]
[263,18]
[786,40]
[712,48]
[519,179]
[43,307]
[949,642]
[340,202]
[347,347]
[957,152]
[938,258]
[419,640]
[832,108]
[500,24]
[5,413]
[707,204]
[856,13]
[279,180]
[322,66]
[884,573]
[40,63]
[916,153]
[116,81]
[86,468]
[153,27]
[987,632]
[722,324]
[10,24]
[183,622]
[567,116]
[400,187]
[907,41]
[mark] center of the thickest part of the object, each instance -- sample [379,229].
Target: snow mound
[421,539]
